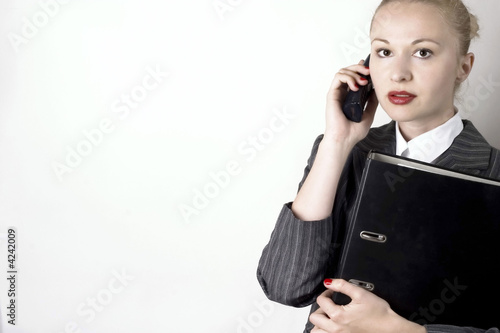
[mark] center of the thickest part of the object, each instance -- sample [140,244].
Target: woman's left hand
[366,312]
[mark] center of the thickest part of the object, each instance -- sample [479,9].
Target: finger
[350,77]
[325,300]
[342,80]
[327,293]
[318,330]
[360,68]
[320,311]
[327,305]
[322,322]
[346,288]
[356,71]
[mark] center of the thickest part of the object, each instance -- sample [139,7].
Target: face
[415,64]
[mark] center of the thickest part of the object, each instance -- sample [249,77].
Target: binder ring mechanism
[373,236]
[365,285]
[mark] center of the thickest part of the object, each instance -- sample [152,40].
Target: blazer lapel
[469,153]
[382,139]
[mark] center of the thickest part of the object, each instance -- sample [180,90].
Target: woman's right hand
[314,201]
[339,129]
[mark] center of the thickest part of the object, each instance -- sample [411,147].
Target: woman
[419,57]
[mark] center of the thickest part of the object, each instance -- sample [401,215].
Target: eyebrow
[417,41]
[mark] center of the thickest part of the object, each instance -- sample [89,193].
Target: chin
[400,119]
[398,113]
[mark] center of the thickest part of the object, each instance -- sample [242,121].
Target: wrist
[340,140]
[402,325]
[336,145]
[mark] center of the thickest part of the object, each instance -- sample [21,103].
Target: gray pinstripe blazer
[300,254]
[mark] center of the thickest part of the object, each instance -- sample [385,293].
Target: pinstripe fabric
[300,254]
[454,329]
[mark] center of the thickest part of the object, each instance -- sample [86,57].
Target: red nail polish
[328,282]
[356,85]
[367,67]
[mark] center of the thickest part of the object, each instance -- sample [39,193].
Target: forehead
[400,20]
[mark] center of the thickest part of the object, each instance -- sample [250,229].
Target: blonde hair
[456,14]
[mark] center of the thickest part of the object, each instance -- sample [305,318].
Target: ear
[465,67]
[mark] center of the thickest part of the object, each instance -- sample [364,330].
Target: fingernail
[367,67]
[356,85]
[328,282]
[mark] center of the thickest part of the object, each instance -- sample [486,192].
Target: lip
[400,97]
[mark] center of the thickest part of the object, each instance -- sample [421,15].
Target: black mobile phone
[355,101]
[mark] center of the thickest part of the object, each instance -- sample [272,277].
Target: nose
[401,70]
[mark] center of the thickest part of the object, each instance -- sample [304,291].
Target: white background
[118,210]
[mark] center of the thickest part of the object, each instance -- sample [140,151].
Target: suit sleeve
[455,329]
[293,264]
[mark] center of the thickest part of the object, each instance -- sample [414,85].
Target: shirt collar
[428,146]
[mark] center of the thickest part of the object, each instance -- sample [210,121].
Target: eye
[423,53]
[384,53]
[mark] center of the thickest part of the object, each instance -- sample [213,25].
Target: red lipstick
[400,97]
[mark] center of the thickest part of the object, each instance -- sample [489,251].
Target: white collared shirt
[428,146]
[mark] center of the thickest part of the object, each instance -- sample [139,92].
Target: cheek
[438,79]
[377,79]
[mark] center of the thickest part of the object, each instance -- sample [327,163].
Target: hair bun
[474,26]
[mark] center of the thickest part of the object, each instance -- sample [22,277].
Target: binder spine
[351,223]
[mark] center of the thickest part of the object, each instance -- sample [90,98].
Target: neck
[411,129]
